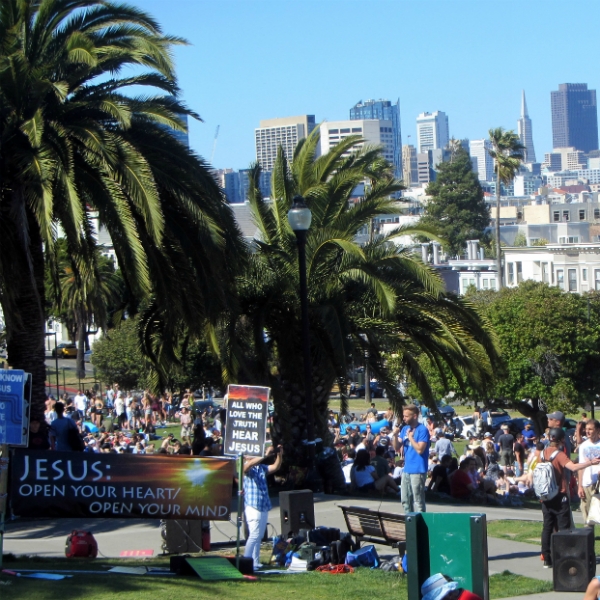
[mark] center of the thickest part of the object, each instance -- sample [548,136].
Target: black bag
[75,440]
[323,536]
[339,549]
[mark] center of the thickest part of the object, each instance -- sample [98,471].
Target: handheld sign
[14,406]
[246,424]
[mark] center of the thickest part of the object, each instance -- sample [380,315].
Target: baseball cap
[439,430]
[436,587]
[557,414]
[487,435]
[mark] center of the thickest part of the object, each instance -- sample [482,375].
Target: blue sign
[14,407]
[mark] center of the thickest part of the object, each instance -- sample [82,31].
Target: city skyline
[251,61]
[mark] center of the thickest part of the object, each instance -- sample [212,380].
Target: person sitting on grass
[465,484]
[439,477]
[364,478]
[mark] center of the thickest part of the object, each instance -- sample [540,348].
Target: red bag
[81,544]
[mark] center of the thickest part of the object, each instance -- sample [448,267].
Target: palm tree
[507,153]
[87,289]
[73,143]
[364,299]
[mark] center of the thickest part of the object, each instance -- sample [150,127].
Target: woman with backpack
[552,487]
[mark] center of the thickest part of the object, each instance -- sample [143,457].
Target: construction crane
[212,156]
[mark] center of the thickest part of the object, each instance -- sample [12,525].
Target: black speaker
[182,536]
[297,511]
[573,559]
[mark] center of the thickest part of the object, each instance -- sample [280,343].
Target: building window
[597,278]
[492,284]
[556,216]
[572,273]
[486,284]
[333,131]
[345,130]
[519,272]
[597,213]
[566,215]
[582,215]
[545,273]
[584,275]
[511,273]
[560,279]
[357,130]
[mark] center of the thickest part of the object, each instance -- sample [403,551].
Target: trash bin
[454,544]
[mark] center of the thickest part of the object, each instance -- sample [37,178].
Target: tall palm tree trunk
[25,333]
[498,247]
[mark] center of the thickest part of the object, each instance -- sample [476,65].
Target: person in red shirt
[461,482]
[557,511]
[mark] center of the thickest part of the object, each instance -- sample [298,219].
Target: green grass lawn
[521,531]
[364,583]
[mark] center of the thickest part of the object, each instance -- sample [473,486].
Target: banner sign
[88,484]
[246,424]
[14,406]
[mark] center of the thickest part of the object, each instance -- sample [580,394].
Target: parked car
[376,390]
[65,350]
[464,426]
[499,416]
[201,405]
[446,410]
[87,356]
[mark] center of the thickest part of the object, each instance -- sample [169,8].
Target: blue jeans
[412,489]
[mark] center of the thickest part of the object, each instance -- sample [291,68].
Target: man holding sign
[256,498]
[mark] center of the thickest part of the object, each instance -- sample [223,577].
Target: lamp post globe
[299,216]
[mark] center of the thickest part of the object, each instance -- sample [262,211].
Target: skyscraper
[374,131]
[383,110]
[432,131]
[526,132]
[285,132]
[574,117]
[483,163]
[409,165]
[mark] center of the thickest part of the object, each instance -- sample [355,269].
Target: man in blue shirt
[257,503]
[413,444]
[529,435]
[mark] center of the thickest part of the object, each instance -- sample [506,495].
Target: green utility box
[454,544]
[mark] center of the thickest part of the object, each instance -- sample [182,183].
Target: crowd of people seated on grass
[495,468]
[123,422]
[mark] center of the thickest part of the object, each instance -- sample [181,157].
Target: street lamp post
[299,217]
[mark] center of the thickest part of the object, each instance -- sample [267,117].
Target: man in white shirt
[81,403]
[589,477]
[120,409]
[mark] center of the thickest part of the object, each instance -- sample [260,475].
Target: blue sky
[258,59]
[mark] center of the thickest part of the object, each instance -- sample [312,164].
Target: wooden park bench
[376,527]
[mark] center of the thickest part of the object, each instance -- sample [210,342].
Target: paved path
[47,537]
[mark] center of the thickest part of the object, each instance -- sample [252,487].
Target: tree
[550,346]
[363,300]
[507,153]
[73,144]
[520,240]
[456,205]
[88,287]
[119,359]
